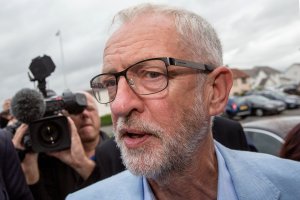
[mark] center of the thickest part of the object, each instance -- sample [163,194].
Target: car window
[264,141]
[260,99]
[238,100]
[256,98]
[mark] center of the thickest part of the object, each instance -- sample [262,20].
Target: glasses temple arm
[194,65]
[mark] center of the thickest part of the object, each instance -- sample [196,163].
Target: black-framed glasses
[146,77]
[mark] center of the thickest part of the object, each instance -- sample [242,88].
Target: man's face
[88,122]
[156,133]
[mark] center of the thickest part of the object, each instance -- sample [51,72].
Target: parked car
[296,98]
[261,106]
[268,135]
[290,102]
[293,89]
[237,107]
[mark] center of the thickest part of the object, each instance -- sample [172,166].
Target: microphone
[28,105]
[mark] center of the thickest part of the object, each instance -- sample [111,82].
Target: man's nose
[126,100]
[84,113]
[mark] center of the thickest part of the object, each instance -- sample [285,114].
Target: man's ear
[220,83]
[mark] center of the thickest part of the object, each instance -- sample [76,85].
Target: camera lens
[50,133]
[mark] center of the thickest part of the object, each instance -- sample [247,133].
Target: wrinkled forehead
[142,38]
[139,23]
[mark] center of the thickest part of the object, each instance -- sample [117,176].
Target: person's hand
[75,156]
[18,137]
[30,162]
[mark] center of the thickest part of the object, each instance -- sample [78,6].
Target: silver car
[268,135]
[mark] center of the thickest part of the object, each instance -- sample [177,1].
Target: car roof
[279,125]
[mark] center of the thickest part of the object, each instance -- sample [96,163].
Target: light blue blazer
[255,176]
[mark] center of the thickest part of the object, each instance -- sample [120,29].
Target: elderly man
[164,79]
[54,175]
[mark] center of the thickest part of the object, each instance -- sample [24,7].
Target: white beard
[176,147]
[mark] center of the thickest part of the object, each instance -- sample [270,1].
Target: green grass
[106,120]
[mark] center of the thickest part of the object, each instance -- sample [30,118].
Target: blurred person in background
[5,115]
[291,147]
[54,175]
[229,133]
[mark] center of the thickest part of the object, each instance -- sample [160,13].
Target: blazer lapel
[248,181]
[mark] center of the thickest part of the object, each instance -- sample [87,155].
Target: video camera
[51,133]
[48,128]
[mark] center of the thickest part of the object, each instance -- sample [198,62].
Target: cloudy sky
[256,32]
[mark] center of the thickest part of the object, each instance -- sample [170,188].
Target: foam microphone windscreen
[28,105]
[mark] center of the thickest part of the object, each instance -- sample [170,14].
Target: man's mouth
[84,125]
[133,135]
[134,139]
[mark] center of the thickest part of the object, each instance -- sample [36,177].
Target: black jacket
[12,181]
[230,133]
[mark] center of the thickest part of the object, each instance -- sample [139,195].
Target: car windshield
[238,99]
[277,95]
[258,98]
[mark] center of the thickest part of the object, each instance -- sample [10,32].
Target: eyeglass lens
[146,77]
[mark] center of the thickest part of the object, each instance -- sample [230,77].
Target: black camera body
[51,133]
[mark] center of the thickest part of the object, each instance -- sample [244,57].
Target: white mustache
[137,124]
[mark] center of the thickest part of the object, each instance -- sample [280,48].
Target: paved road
[289,112]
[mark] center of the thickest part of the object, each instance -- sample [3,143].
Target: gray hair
[196,33]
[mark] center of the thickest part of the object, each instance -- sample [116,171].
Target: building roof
[263,82]
[293,65]
[284,78]
[267,70]
[238,73]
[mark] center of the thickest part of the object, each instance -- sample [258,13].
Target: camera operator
[54,175]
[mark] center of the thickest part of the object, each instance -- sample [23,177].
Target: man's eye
[152,74]
[109,83]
